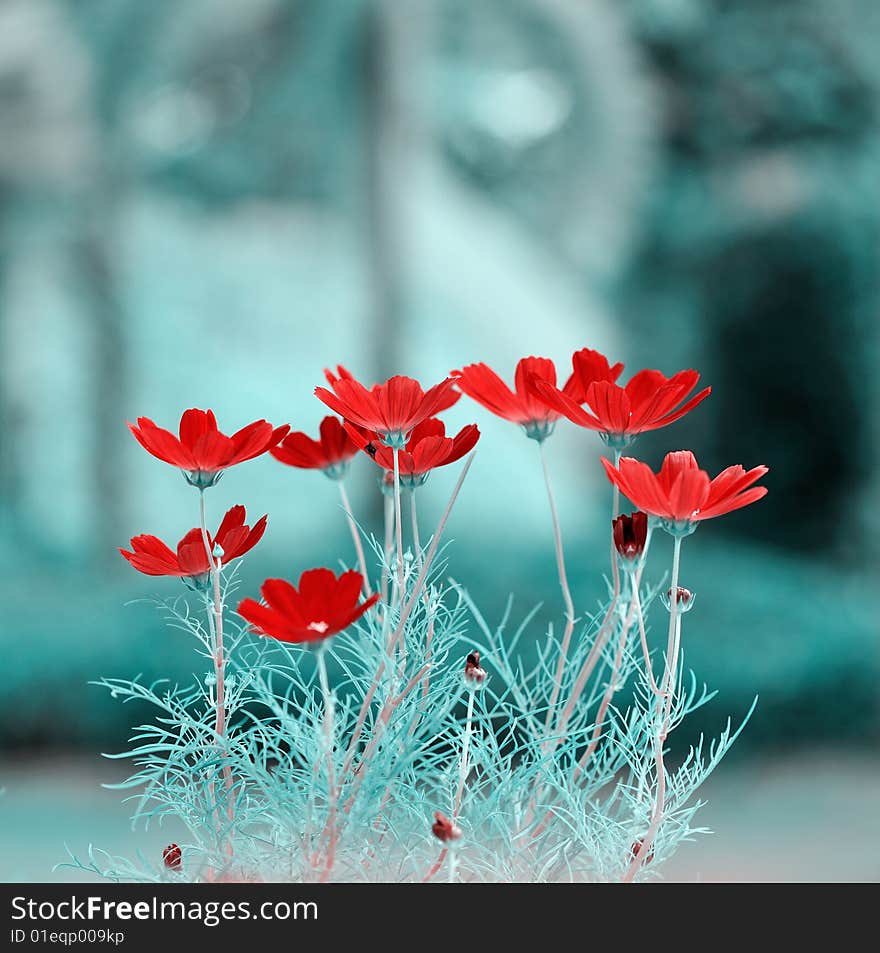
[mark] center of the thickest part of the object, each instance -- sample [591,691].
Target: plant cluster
[373,726]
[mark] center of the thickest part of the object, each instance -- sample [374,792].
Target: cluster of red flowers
[395,424]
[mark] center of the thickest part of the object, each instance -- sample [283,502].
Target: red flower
[444,829]
[153,558]
[202,452]
[331,452]
[520,405]
[630,534]
[319,607]
[173,857]
[391,409]
[682,494]
[427,448]
[649,401]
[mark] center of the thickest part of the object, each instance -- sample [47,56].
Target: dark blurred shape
[766,230]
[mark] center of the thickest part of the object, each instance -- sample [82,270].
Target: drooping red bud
[444,829]
[630,534]
[173,857]
[474,675]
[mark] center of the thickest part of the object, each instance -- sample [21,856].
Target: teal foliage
[300,809]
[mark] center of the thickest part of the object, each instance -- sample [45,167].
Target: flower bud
[630,534]
[386,482]
[474,675]
[444,829]
[685,599]
[173,857]
[637,846]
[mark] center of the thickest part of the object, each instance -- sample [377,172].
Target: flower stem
[566,591]
[329,717]
[389,543]
[398,523]
[215,611]
[465,754]
[615,506]
[404,616]
[463,769]
[664,707]
[414,516]
[453,865]
[356,537]
[602,635]
[649,667]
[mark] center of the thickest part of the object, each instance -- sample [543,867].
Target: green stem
[566,592]
[664,707]
[215,615]
[414,517]
[356,538]
[328,731]
[398,522]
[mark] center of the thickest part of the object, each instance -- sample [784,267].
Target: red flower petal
[610,405]
[194,424]
[436,398]
[561,403]
[463,442]
[688,494]
[588,367]
[284,598]
[299,450]
[192,557]
[673,464]
[250,442]
[730,504]
[484,386]
[151,556]
[161,444]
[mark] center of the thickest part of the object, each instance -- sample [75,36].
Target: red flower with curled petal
[201,451]
[427,448]
[619,414]
[190,562]
[681,494]
[331,452]
[319,606]
[391,409]
[520,405]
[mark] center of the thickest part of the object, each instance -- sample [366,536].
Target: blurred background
[204,203]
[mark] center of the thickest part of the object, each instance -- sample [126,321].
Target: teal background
[204,203]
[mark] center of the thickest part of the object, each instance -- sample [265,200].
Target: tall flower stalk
[563,585]
[215,619]
[662,713]
[329,718]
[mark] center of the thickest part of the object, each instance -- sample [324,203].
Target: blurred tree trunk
[95,254]
[394,51]
[10,475]
[391,46]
